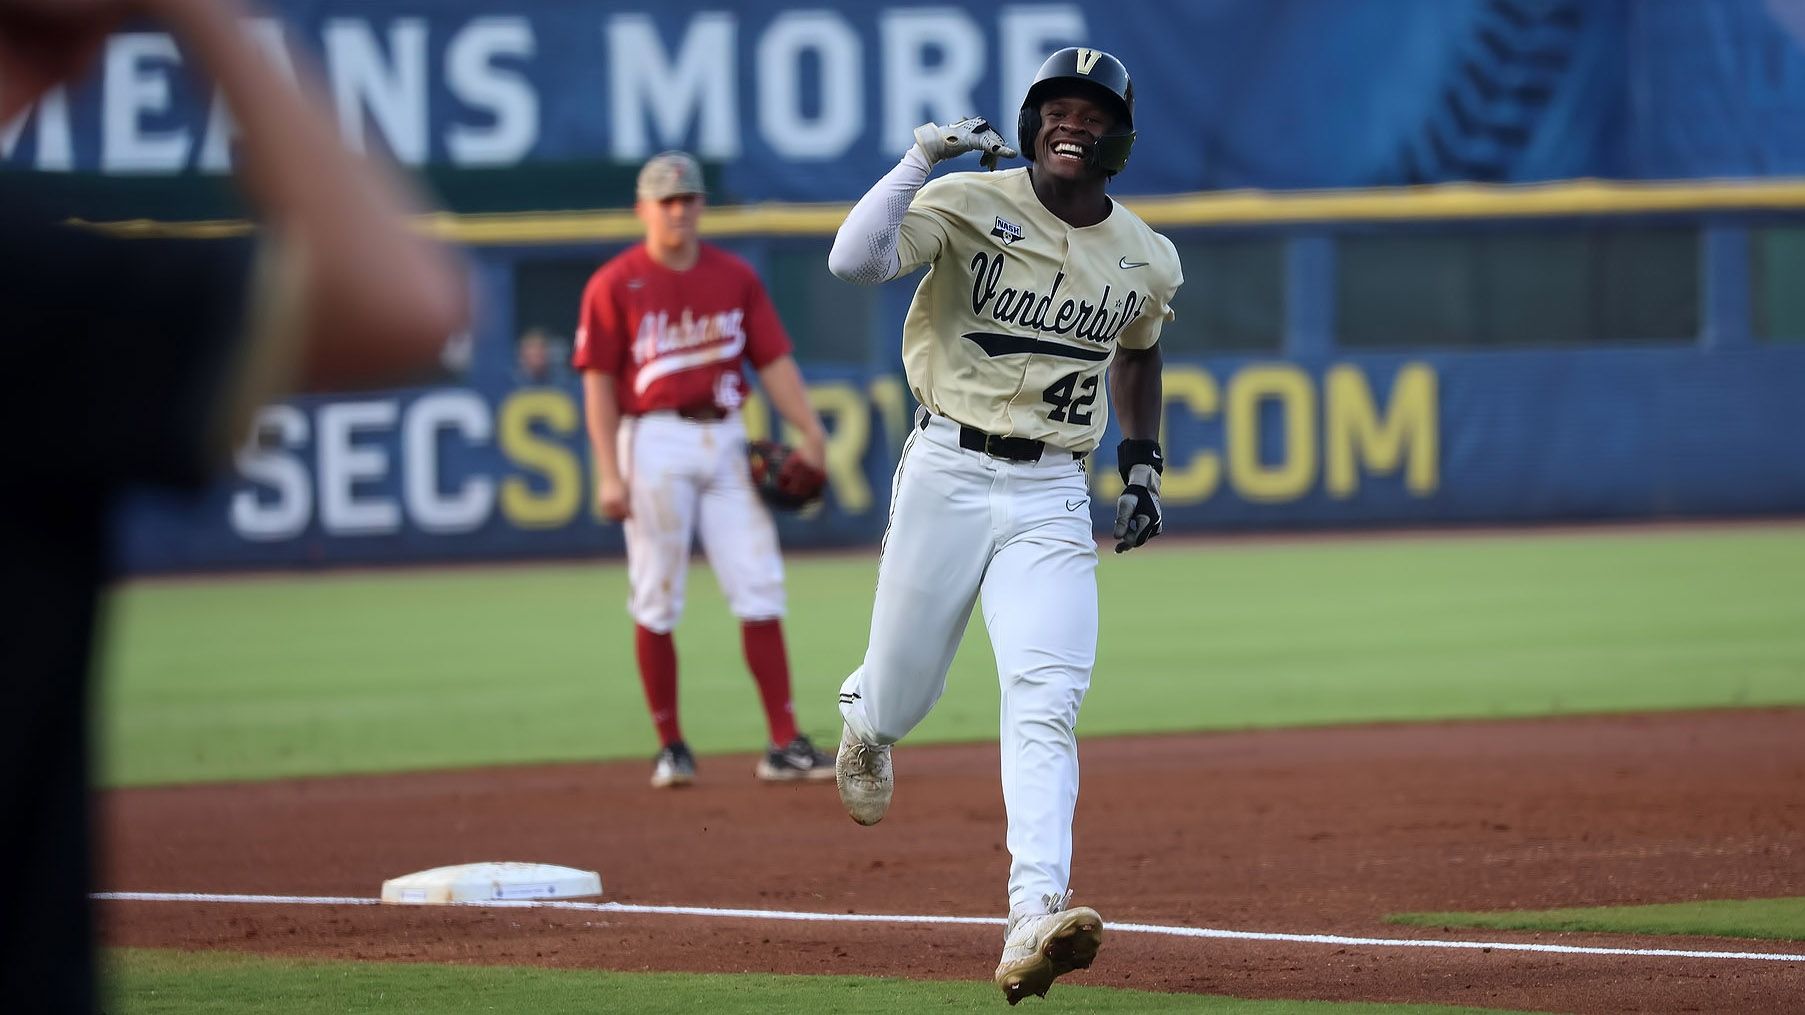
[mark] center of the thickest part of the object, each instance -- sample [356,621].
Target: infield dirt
[1296,831]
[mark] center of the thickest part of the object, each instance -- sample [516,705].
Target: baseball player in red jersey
[664,329]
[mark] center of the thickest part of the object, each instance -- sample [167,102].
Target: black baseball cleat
[797,761]
[674,766]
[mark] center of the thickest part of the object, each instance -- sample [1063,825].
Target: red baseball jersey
[675,339]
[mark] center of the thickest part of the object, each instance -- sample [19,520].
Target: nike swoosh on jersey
[1073,505]
[997,344]
[1123,262]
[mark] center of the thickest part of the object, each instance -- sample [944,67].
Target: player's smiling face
[1070,126]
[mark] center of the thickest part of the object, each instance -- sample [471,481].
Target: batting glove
[975,134]
[1137,510]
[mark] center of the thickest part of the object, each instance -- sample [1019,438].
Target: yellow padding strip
[1441,202]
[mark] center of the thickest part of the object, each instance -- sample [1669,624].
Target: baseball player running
[1036,283]
[663,330]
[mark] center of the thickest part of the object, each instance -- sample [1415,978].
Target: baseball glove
[783,480]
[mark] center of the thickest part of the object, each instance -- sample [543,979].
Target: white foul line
[1133,928]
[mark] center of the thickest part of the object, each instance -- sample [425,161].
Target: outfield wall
[1440,355]
[495,472]
[1616,337]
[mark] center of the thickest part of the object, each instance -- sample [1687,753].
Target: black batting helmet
[1105,77]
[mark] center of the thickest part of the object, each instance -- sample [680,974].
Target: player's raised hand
[974,134]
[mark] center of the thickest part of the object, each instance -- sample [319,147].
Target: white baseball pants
[683,478]
[965,525]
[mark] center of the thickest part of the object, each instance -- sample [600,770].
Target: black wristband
[1133,451]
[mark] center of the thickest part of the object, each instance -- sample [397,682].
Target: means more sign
[477,83]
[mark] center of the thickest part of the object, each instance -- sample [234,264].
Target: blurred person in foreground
[169,347]
[664,333]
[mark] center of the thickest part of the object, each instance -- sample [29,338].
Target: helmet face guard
[1092,72]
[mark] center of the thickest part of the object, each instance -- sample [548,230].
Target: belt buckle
[993,446]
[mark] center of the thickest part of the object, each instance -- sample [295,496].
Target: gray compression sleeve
[865,247]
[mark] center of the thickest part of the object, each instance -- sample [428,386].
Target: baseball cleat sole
[865,779]
[1070,943]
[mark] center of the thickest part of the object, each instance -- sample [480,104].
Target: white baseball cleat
[1043,946]
[862,771]
[674,766]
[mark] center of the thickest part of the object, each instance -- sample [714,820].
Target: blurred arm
[782,382]
[373,302]
[601,410]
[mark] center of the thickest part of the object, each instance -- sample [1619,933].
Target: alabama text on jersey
[676,339]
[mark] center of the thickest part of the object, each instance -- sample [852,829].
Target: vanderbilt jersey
[1020,314]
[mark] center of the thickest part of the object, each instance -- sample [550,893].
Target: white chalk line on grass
[1133,928]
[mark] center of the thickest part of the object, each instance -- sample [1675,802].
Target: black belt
[703,412]
[1015,449]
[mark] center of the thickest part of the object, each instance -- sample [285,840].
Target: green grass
[144,982]
[269,677]
[1767,919]
[346,672]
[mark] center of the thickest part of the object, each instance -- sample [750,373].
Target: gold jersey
[1013,327]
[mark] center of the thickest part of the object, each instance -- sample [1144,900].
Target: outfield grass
[267,677]
[1767,919]
[145,982]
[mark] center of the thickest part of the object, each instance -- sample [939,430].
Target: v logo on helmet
[1087,58]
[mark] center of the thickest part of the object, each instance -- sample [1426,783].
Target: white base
[490,882]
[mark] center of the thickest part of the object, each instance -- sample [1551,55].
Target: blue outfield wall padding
[500,472]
